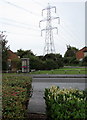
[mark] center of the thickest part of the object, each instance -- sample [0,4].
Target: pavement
[37,103]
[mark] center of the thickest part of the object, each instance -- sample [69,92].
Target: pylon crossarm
[54,8]
[56,18]
[50,28]
[50,19]
[42,21]
[48,8]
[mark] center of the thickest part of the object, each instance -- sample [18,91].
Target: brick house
[11,57]
[81,53]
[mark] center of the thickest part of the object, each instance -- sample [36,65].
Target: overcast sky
[20,19]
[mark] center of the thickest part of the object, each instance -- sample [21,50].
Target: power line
[37,3]
[60,25]
[19,7]
[67,27]
[70,35]
[19,26]
[21,33]
[16,22]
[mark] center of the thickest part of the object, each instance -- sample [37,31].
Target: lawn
[62,71]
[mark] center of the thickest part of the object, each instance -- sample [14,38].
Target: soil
[37,117]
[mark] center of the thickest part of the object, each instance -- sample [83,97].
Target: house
[81,53]
[11,57]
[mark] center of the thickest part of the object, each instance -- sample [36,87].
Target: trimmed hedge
[66,104]
[16,92]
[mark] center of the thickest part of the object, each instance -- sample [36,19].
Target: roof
[12,55]
[84,49]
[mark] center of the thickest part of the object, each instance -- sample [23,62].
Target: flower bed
[16,92]
[65,104]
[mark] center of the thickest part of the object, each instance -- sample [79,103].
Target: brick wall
[80,54]
[12,55]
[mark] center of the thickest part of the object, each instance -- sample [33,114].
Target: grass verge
[62,71]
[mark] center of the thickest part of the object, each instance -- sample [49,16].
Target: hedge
[65,104]
[16,93]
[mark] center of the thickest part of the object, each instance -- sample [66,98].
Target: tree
[70,56]
[24,53]
[36,63]
[49,61]
[16,64]
[84,61]
[57,58]
[4,51]
[50,56]
[49,65]
[71,51]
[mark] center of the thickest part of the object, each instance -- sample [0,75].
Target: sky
[20,19]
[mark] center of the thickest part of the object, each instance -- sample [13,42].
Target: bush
[16,64]
[70,61]
[53,61]
[36,63]
[50,64]
[65,104]
[16,93]
[84,61]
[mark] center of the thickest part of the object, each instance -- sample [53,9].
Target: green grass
[62,71]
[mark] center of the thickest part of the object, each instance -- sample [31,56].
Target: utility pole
[2,36]
[49,41]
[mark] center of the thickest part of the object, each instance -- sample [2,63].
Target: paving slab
[37,103]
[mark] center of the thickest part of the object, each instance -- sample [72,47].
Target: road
[63,81]
[59,76]
[60,80]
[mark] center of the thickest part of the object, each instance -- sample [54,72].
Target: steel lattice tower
[49,41]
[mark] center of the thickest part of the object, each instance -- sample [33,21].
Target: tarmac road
[59,76]
[60,80]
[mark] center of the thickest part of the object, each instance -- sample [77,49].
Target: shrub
[84,61]
[16,93]
[65,104]
[50,64]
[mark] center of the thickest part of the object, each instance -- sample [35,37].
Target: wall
[81,53]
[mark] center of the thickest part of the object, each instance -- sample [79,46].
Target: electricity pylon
[49,42]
